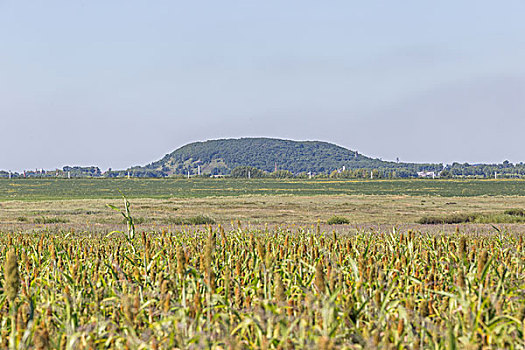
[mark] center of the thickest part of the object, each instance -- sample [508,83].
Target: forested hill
[222,156]
[259,157]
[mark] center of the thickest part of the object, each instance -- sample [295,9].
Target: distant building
[431,174]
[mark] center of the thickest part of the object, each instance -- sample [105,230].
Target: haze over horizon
[122,83]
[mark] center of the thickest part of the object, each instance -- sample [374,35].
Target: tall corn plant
[126,213]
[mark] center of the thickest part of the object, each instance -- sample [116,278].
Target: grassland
[359,209]
[55,189]
[33,203]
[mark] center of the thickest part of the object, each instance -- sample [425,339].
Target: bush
[515,212]
[500,219]
[195,220]
[55,220]
[337,220]
[200,220]
[449,219]
[508,217]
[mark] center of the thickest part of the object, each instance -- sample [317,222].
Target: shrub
[479,218]
[55,220]
[194,220]
[449,219]
[500,219]
[515,212]
[337,220]
[200,220]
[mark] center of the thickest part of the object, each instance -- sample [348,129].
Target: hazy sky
[121,83]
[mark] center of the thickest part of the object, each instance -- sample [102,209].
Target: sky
[118,83]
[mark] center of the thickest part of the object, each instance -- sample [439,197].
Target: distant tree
[247,171]
[446,174]
[282,174]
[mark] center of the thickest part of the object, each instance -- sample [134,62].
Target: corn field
[267,288]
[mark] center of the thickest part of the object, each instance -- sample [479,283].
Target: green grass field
[52,189]
[30,202]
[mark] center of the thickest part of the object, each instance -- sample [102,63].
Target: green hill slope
[222,156]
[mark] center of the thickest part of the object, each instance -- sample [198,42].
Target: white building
[431,174]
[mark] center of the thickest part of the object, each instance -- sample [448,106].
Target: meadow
[270,273]
[34,203]
[154,213]
[96,188]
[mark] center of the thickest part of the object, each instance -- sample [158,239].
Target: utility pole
[249,174]
[199,170]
